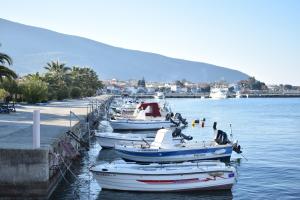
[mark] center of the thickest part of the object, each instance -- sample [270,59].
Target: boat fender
[202,123]
[196,121]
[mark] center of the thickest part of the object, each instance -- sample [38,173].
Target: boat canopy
[151,109]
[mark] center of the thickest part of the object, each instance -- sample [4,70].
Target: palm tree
[5,71]
[58,71]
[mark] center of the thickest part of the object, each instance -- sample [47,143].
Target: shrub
[63,93]
[75,92]
[90,92]
[33,90]
[3,94]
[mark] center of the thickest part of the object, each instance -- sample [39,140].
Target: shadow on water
[207,195]
[107,155]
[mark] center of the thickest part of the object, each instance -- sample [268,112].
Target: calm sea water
[267,129]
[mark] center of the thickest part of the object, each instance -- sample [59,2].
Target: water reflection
[209,195]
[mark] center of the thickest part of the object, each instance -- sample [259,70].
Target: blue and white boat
[163,150]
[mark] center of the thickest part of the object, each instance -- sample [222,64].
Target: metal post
[36,129]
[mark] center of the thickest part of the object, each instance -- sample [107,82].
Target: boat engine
[221,137]
[177,133]
[169,117]
[182,120]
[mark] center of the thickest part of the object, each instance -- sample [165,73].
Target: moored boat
[148,116]
[109,139]
[164,177]
[163,150]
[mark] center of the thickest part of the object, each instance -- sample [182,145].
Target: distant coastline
[206,95]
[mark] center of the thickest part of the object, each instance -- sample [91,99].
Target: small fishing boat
[148,116]
[109,139]
[164,177]
[163,150]
[159,95]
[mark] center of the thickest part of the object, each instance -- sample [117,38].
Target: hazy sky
[258,37]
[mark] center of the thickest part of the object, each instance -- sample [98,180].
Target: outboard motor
[182,120]
[221,137]
[176,123]
[177,132]
[169,117]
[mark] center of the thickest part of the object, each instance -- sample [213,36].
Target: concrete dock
[28,173]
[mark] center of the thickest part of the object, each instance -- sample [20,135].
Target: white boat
[159,95]
[148,116]
[126,106]
[133,124]
[109,139]
[219,92]
[163,150]
[164,177]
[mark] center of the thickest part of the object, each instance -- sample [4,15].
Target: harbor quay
[31,166]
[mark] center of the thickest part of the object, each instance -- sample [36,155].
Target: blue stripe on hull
[228,150]
[223,159]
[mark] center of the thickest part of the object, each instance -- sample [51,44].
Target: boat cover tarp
[152,109]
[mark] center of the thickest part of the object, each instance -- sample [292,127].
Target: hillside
[31,48]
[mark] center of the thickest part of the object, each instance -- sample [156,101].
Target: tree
[252,84]
[86,79]
[4,70]
[33,89]
[179,83]
[75,92]
[58,78]
[11,86]
[3,94]
[57,71]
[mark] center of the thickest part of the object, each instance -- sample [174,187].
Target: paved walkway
[16,128]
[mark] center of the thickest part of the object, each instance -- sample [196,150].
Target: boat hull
[222,152]
[163,183]
[106,142]
[122,125]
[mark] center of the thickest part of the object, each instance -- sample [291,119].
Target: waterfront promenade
[36,171]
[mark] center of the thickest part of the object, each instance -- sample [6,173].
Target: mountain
[31,48]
